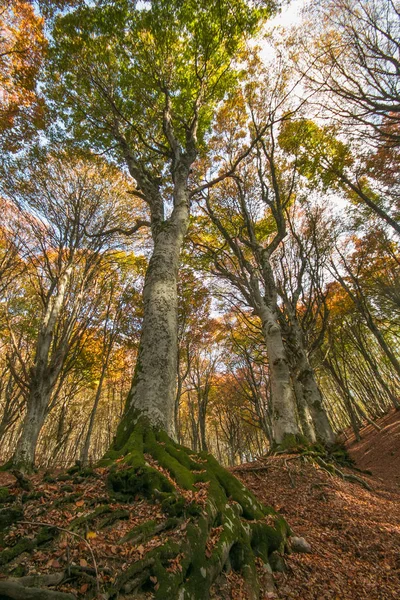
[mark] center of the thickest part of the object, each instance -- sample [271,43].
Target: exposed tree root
[9,590]
[206,522]
[326,462]
[332,469]
[225,525]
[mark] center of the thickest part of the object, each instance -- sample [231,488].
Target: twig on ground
[292,483]
[77,535]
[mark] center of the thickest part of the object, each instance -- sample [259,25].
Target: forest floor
[354,532]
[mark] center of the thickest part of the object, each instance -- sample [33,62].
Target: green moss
[174,505]
[128,483]
[4,494]
[138,568]
[66,488]
[145,531]
[67,499]
[245,534]
[9,516]
[252,508]
[26,545]
[100,510]
[19,571]
[27,496]
[140,533]
[63,477]
[115,515]
[180,473]
[292,442]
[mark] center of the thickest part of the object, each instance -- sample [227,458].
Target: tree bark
[36,411]
[302,408]
[284,417]
[44,375]
[152,393]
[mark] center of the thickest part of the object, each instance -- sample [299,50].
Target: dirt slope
[379,451]
[354,533]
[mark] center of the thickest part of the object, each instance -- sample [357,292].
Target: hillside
[354,532]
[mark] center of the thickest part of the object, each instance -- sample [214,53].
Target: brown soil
[354,533]
[379,451]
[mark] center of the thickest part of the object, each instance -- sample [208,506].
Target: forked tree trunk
[284,416]
[312,394]
[43,378]
[312,413]
[311,391]
[304,413]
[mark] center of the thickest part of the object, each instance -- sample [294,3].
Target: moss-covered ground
[153,519]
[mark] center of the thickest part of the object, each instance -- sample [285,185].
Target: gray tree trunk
[44,375]
[304,413]
[310,392]
[154,383]
[284,416]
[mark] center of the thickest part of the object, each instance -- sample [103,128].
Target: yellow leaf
[91,535]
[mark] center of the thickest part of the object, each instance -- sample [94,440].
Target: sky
[290,15]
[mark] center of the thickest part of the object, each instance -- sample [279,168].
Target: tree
[300,269]
[142,82]
[67,205]
[248,213]
[22,48]
[353,64]
[329,163]
[150,95]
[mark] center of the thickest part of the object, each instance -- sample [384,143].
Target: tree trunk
[36,410]
[43,377]
[152,393]
[284,417]
[313,398]
[310,389]
[304,414]
[85,449]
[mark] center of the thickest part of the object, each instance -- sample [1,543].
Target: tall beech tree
[300,269]
[141,81]
[249,213]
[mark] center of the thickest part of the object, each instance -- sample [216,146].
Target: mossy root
[225,526]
